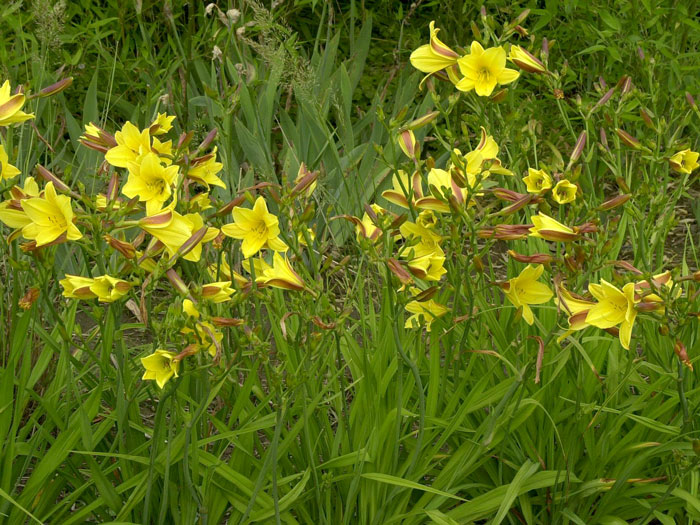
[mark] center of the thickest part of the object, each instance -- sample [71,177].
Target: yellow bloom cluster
[481,70]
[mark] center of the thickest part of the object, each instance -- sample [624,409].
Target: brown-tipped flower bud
[399,271]
[604,139]
[536,258]
[545,48]
[193,241]
[408,144]
[603,100]
[626,84]
[628,139]
[208,140]
[226,321]
[185,139]
[58,183]
[646,118]
[59,86]
[177,281]
[306,180]
[521,31]
[640,53]
[125,248]
[519,204]
[682,353]
[578,148]
[113,187]
[649,306]
[690,100]
[423,121]
[614,202]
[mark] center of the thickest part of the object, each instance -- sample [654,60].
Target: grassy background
[363,423]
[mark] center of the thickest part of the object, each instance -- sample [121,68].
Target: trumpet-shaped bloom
[544,227]
[131,142]
[162,124]
[483,70]
[525,290]
[218,292]
[537,181]
[77,287]
[161,366]
[685,161]
[564,192]
[11,106]
[7,170]
[614,307]
[205,171]
[280,275]
[424,313]
[366,227]
[150,181]
[51,216]
[434,56]
[403,189]
[577,309]
[223,270]
[108,289]
[190,309]
[258,228]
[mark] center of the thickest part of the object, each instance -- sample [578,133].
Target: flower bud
[125,248]
[525,60]
[604,139]
[690,100]
[646,118]
[407,143]
[177,281]
[185,139]
[682,353]
[226,321]
[208,140]
[399,271]
[578,148]
[59,86]
[422,121]
[499,96]
[616,201]
[628,139]
[536,258]
[603,100]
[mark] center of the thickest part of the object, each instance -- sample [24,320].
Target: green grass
[327,410]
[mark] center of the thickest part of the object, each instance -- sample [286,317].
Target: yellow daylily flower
[577,309]
[525,60]
[207,337]
[51,216]
[169,227]
[564,192]
[525,290]
[403,188]
[424,312]
[544,227]
[218,292]
[77,287]
[7,170]
[200,202]
[11,105]
[131,142]
[161,366]
[260,266]
[164,150]
[258,228]
[280,275]
[366,227]
[537,181]
[614,307]
[484,69]
[11,212]
[435,56]
[204,171]
[162,124]
[108,289]
[685,161]
[150,181]
[196,223]
[190,309]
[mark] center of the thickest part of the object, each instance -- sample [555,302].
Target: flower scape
[256,309]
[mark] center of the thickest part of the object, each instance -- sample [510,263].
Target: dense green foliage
[354,419]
